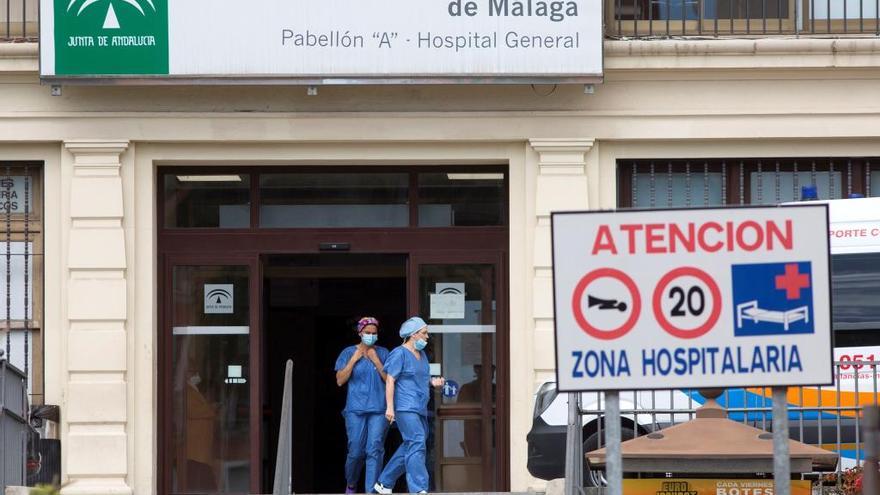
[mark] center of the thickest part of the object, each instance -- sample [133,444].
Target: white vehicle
[825,416]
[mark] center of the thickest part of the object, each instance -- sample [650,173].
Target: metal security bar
[670,18]
[695,182]
[18,20]
[829,417]
[21,266]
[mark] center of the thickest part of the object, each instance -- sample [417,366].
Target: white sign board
[345,40]
[447,302]
[219,299]
[692,298]
[12,195]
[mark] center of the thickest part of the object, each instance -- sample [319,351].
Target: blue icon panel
[772,298]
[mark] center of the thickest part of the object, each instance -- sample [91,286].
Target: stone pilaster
[96,417]
[561,185]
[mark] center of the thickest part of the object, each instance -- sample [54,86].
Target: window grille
[21,271]
[696,182]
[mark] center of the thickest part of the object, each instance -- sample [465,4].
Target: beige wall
[100,145]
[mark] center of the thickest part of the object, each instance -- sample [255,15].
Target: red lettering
[875,232]
[741,237]
[863,233]
[701,237]
[688,241]
[653,238]
[784,240]
[730,236]
[631,230]
[604,241]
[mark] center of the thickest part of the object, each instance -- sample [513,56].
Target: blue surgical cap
[412,326]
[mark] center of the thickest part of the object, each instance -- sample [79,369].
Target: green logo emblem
[112,37]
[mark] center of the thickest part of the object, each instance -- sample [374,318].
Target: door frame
[499,470]
[166,265]
[248,246]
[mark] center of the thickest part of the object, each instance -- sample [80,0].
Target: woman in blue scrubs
[361,366]
[407,386]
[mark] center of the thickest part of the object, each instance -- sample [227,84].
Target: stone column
[561,185]
[95,416]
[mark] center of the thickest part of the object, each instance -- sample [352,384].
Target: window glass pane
[462,438]
[207,201]
[461,199]
[707,9]
[768,187]
[846,9]
[21,260]
[699,186]
[855,286]
[459,302]
[16,289]
[210,379]
[334,200]
[875,184]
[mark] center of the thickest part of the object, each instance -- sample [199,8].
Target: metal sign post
[574,446]
[613,458]
[871,480]
[781,460]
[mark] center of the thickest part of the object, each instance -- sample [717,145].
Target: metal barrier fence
[668,18]
[19,20]
[830,416]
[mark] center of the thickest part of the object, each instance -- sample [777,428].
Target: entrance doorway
[261,265]
[311,305]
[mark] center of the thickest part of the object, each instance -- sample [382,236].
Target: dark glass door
[210,379]
[459,298]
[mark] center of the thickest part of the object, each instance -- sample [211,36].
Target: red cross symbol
[792,282]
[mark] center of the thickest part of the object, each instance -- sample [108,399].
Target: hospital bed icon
[750,311]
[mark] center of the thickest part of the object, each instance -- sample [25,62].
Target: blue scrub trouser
[410,456]
[366,441]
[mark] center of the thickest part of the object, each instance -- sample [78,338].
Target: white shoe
[380,488]
[423,491]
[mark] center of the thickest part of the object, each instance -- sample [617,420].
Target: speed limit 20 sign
[717,297]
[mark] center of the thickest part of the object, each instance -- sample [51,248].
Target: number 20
[696,301]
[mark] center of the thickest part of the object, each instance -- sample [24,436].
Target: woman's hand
[438,382]
[389,415]
[358,353]
[372,356]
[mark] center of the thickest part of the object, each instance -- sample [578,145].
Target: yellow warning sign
[667,486]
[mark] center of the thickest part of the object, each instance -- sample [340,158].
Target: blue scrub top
[366,390]
[412,380]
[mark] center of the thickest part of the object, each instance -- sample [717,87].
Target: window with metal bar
[660,183]
[650,18]
[18,19]
[872,184]
[21,271]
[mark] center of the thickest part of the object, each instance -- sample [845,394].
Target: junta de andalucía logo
[111,21]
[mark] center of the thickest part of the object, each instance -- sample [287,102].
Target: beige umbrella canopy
[711,443]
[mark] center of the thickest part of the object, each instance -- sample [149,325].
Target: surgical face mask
[421,344]
[195,380]
[369,338]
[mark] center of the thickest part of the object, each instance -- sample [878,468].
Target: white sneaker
[380,488]
[423,491]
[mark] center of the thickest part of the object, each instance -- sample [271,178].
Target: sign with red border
[590,327]
[732,297]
